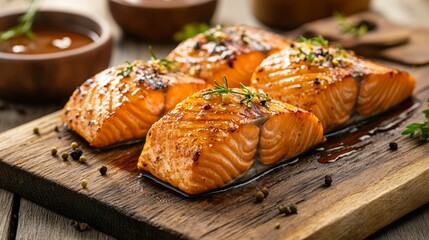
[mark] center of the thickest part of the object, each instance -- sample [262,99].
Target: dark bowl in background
[290,14]
[158,20]
[54,76]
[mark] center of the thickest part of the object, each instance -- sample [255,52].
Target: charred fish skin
[121,103]
[331,82]
[233,51]
[197,148]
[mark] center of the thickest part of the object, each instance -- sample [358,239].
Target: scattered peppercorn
[84,183]
[56,129]
[259,196]
[264,190]
[74,145]
[82,159]
[316,81]
[289,210]
[83,227]
[393,146]
[64,156]
[76,153]
[277,225]
[36,131]
[207,106]
[328,180]
[54,151]
[103,170]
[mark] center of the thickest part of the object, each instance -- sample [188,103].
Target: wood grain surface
[6,203]
[36,220]
[373,186]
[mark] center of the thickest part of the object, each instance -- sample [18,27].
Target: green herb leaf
[24,26]
[125,71]
[422,128]
[248,95]
[190,30]
[164,62]
[319,40]
[350,28]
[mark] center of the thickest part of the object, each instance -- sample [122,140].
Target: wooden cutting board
[372,185]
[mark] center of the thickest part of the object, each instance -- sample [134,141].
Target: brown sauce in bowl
[45,41]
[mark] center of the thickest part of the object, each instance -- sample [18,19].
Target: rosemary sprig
[169,64]
[422,128]
[319,40]
[125,71]
[350,28]
[248,95]
[190,30]
[24,26]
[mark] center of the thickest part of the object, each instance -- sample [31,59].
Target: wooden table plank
[36,222]
[6,204]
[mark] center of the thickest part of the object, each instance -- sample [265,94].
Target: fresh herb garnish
[422,128]
[319,40]
[214,36]
[169,64]
[190,30]
[24,26]
[309,56]
[248,95]
[350,28]
[125,71]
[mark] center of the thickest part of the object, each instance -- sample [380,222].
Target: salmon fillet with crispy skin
[121,103]
[330,82]
[209,140]
[233,52]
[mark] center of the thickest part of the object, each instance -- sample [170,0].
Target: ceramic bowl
[158,20]
[290,14]
[52,76]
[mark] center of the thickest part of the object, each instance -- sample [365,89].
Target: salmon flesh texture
[233,51]
[332,83]
[121,103]
[207,142]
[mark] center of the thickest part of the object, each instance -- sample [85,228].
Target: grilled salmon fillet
[233,52]
[331,82]
[211,140]
[121,103]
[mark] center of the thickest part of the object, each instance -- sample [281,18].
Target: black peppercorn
[264,190]
[259,196]
[76,153]
[328,180]
[207,106]
[103,170]
[316,81]
[393,146]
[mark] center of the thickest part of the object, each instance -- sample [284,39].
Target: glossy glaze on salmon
[233,52]
[331,82]
[121,103]
[211,140]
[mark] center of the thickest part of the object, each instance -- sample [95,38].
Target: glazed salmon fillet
[121,103]
[210,140]
[233,52]
[331,82]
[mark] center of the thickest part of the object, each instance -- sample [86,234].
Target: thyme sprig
[215,35]
[169,64]
[248,95]
[348,27]
[422,128]
[24,26]
[309,56]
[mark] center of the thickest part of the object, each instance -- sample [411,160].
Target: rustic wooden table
[22,219]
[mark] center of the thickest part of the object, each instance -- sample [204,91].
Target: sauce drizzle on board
[45,41]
